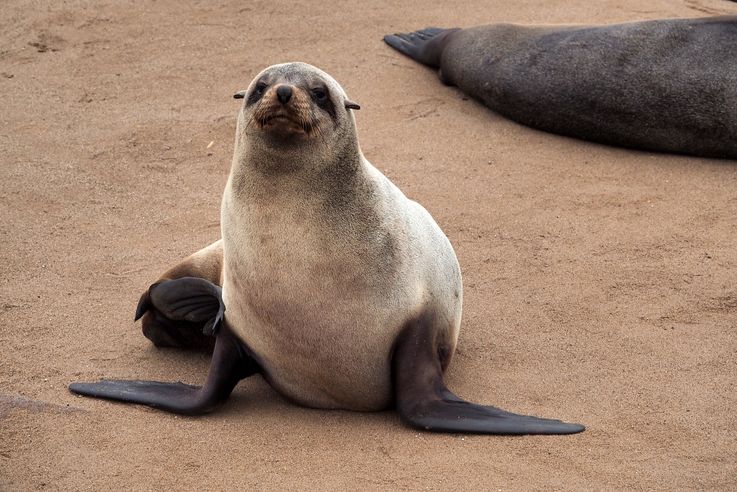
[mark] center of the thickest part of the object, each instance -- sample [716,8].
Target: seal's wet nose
[284,93]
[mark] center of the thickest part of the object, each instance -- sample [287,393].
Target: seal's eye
[258,91]
[319,94]
[321,97]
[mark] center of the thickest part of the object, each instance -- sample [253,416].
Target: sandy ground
[600,283]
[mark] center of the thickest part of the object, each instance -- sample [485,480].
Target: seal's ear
[351,105]
[239,95]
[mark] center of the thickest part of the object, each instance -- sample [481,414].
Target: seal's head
[295,104]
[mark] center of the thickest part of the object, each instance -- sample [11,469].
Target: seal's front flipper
[183,313]
[424,402]
[230,363]
[169,396]
[425,45]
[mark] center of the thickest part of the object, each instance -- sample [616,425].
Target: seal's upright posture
[665,85]
[342,292]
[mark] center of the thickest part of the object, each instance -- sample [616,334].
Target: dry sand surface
[600,283]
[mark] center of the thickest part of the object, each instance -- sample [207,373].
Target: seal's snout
[284,93]
[284,111]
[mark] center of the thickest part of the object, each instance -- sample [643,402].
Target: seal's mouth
[284,122]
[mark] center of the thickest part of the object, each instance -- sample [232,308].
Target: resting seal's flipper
[424,402]
[425,45]
[183,313]
[230,363]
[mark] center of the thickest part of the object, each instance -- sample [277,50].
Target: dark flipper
[424,402]
[230,363]
[425,45]
[185,313]
[164,332]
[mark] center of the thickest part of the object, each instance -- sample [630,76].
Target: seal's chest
[290,272]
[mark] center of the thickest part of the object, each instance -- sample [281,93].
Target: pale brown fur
[324,260]
[206,263]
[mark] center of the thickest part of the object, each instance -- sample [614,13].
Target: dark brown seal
[663,85]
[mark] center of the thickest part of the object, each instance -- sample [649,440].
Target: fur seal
[339,290]
[663,85]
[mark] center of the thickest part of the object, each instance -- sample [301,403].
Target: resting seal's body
[342,292]
[665,85]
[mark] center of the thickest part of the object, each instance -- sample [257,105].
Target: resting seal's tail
[425,45]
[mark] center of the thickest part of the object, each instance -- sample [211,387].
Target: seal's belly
[319,304]
[339,360]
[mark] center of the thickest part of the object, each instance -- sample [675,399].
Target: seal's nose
[284,93]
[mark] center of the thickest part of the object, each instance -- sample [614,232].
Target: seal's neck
[262,171]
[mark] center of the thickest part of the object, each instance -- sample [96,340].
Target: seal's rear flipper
[424,402]
[230,363]
[425,45]
[184,313]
